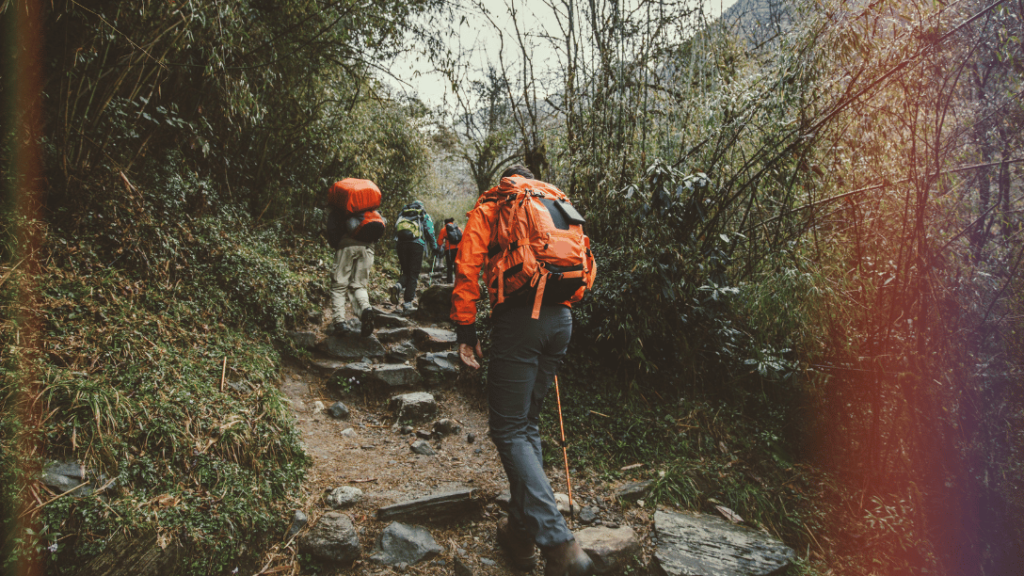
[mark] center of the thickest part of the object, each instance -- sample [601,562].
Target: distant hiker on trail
[414,231]
[353,226]
[448,241]
[537,262]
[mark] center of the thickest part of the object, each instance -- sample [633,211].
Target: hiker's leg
[415,263]
[403,263]
[339,282]
[360,279]
[449,264]
[524,353]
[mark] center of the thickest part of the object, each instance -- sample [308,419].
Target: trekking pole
[565,452]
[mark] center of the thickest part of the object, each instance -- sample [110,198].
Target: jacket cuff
[466,334]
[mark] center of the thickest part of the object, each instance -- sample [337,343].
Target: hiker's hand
[466,354]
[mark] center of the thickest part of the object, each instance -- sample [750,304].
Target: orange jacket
[442,240]
[477,237]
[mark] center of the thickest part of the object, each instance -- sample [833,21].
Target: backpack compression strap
[541,280]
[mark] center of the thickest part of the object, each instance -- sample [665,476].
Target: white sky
[477,34]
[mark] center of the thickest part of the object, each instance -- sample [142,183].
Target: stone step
[387,375]
[352,347]
[444,364]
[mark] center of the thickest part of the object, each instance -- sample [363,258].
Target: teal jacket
[427,238]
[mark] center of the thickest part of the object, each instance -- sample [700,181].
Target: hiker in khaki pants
[350,276]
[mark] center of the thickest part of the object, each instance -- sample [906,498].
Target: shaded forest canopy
[807,225]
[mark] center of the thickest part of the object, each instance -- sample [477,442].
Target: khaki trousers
[350,278]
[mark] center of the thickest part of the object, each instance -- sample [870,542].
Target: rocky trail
[404,479]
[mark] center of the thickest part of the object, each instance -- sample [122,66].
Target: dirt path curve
[378,460]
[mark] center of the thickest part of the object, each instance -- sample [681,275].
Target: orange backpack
[538,249]
[359,200]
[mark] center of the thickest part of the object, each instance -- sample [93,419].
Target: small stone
[634,491]
[423,448]
[562,503]
[446,426]
[477,451]
[610,549]
[318,407]
[332,540]
[348,433]
[406,429]
[344,496]
[413,406]
[588,515]
[424,434]
[404,544]
[338,410]
[299,522]
[488,562]
[470,438]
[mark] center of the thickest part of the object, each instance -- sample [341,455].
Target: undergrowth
[161,380]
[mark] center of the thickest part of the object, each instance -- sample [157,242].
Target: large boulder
[695,545]
[435,303]
[434,339]
[610,548]
[413,406]
[352,347]
[333,540]
[404,544]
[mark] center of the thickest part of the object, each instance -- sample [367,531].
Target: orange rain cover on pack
[354,195]
[512,234]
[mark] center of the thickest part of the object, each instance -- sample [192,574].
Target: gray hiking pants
[524,357]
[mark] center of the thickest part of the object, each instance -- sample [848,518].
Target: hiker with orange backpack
[353,226]
[448,241]
[528,240]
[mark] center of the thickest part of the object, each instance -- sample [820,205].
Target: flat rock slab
[302,339]
[434,339]
[699,545]
[446,507]
[445,364]
[352,347]
[404,544]
[633,491]
[610,548]
[396,375]
[394,334]
[401,352]
[388,320]
[413,406]
[333,540]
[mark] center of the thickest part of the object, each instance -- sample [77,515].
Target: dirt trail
[378,460]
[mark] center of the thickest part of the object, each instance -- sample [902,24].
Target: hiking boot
[394,293]
[518,546]
[567,559]
[366,319]
[408,308]
[338,329]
